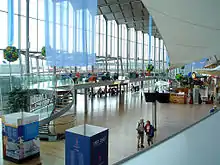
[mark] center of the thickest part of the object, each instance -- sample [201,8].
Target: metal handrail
[62,111]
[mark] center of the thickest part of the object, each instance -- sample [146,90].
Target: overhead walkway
[197,144]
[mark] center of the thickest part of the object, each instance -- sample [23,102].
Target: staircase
[63,102]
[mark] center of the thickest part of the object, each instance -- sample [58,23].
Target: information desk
[177,98]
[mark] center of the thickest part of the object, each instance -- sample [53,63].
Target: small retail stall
[178,98]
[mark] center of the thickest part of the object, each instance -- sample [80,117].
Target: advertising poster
[99,149]
[86,148]
[77,150]
[20,141]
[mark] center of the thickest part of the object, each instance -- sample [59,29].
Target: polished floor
[120,115]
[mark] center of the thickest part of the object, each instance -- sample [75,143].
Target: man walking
[140,131]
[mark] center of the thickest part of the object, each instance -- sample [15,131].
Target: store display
[86,145]
[20,136]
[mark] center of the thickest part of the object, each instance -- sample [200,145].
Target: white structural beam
[190,29]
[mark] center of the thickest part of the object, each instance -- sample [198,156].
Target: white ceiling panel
[190,29]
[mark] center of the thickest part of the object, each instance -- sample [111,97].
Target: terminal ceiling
[129,12]
[190,29]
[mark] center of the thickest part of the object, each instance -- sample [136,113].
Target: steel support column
[163,58]
[92,89]
[27,60]
[154,114]
[159,56]
[19,37]
[155,48]
[143,53]
[37,64]
[106,46]
[85,100]
[136,52]
[118,50]
[106,53]
[128,49]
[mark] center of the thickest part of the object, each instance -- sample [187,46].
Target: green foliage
[43,51]
[183,67]
[18,100]
[179,77]
[150,68]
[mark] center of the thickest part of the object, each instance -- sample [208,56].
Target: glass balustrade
[41,90]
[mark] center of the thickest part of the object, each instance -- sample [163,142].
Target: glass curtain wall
[37,39]
[139,50]
[132,48]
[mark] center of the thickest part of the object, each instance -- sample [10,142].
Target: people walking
[149,129]
[140,132]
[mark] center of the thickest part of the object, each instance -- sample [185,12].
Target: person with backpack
[140,132]
[149,129]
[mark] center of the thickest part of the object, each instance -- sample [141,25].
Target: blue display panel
[27,132]
[99,149]
[77,149]
[88,147]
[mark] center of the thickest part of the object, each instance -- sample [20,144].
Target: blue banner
[150,34]
[70,32]
[168,60]
[10,22]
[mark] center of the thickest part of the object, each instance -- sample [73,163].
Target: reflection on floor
[121,116]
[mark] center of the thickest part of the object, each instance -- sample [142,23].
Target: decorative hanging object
[11,54]
[150,68]
[183,67]
[43,51]
[61,51]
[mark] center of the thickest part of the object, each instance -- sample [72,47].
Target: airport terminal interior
[98,82]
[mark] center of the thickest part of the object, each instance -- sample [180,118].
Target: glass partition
[196,145]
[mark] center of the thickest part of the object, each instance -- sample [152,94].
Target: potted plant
[150,68]
[43,51]
[179,77]
[18,100]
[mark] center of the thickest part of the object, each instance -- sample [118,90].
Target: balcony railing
[197,144]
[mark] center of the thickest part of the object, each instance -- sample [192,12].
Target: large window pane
[23,33]
[4,5]
[33,8]
[41,9]
[33,34]
[41,36]
[23,7]
[3,30]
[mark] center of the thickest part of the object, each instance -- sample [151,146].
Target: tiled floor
[121,116]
